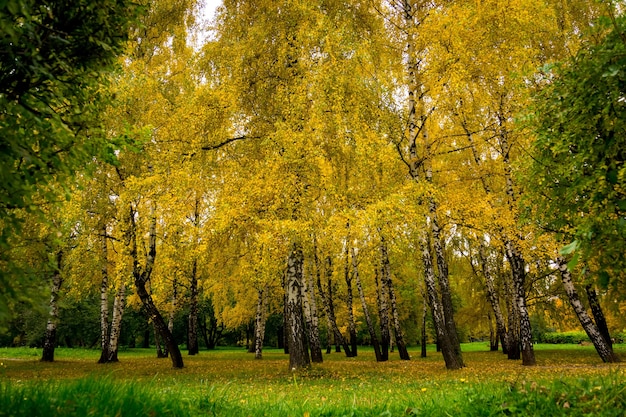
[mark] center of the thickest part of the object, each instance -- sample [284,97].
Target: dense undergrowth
[568,381]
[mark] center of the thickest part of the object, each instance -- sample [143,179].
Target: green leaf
[569,249]
[571,265]
[603,279]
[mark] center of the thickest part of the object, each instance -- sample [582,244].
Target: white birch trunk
[602,347]
[104,301]
[298,354]
[116,322]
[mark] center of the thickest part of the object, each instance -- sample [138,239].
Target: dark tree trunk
[386,281]
[368,320]
[383,314]
[424,339]
[329,308]
[513,336]
[159,324]
[349,300]
[50,338]
[192,321]
[298,353]
[598,315]
[161,353]
[492,295]
[141,276]
[447,349]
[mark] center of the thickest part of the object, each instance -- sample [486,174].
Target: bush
[565,337]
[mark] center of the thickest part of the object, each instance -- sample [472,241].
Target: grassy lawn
[568,380]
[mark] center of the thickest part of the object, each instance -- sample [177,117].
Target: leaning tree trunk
[160,325]
[50,338]
[259,322]
[447,349]
[329,308]
[598,315]
[312,322]
[602,347]
[383,314]
[492,295]
[366,313]
[192,320]
[141,275]
[116,322]
[104,301]
[386,281]
[298,353]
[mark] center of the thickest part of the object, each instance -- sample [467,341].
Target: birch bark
[141,275]
[259,322]
[116,322]
[298,353]
[605,351]
[368,320]
[312,321]
[387,282]
[50,337]
[104,300]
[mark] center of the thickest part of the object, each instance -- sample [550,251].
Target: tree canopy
[577,178]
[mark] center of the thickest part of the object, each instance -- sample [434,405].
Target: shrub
[565,337]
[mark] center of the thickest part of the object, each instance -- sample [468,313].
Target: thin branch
[227,141]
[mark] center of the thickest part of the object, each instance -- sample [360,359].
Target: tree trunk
[329,308]
[312,319]
[161,353]
[598,315]
[383,313]
[444,281]
[50,338]
[349,301]
[449,355]
[519,277]
[424,339]
[318,275]
[172,313]
[493,335]
[605,351]
[116,322]
[368,320]
[259,322]
[192,321]
[104,301]
[387,282]
[492,295]
[298,354]
[142,275]
[513,335]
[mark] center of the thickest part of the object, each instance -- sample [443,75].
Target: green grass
[229,382]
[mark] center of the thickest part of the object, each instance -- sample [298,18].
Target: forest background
[312,173]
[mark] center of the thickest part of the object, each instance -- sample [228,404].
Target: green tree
[577,177]
[56,57]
